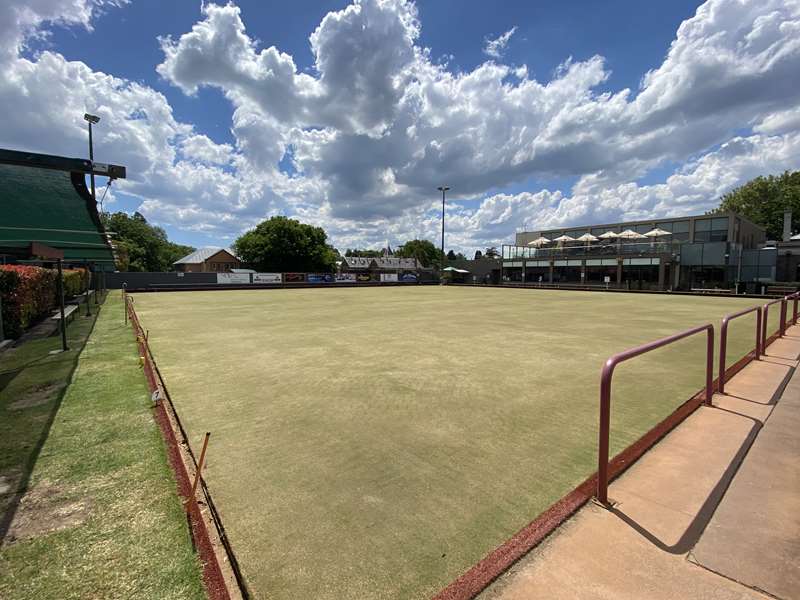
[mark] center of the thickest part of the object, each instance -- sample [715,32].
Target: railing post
[723,343]
[605,433]
[759,348]
[710,364]
[782,327]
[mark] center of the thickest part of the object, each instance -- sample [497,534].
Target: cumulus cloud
[378,123]
[494,48]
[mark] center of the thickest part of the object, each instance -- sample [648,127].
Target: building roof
[45,203]
[201,255]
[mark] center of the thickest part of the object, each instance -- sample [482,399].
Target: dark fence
[194,281]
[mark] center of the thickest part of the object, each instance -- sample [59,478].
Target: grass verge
[88,507]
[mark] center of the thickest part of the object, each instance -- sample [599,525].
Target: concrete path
[668,536]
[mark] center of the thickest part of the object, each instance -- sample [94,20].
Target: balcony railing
[592,250]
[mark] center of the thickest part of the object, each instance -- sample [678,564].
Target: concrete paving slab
[598,556]
[747,408]
[754,536]
[785,347]
[761,381]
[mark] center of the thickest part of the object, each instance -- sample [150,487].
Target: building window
[711,230]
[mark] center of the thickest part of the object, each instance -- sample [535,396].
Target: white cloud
[494,48]
[200,147]
[378,123]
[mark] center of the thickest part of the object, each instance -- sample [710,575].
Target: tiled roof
[201,255]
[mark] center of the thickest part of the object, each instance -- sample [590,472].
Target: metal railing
[605,393]
[781,325]
[723,340]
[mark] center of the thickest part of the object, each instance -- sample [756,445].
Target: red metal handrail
[605,393]
[781,325]
[723,340]
[795,297]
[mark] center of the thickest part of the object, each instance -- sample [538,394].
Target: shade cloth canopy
[454,270]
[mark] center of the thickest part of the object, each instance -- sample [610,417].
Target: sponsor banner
[408,277]
[363,277]
[345,277]
[319,278]
[237,278]
[294,277]
[389,277]
[267,278]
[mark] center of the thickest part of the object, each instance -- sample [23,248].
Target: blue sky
[396,96]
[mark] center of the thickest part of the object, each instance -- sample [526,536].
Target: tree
[363,253]
[478,255]
[423,250]
[451,255]
[283,244]
[492,252]
[764,199]
[141,246]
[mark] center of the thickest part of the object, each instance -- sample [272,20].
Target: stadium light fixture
[443,189]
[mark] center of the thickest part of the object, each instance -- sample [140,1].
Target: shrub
[28,293]
[76,281]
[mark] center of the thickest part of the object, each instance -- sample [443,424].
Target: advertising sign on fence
[294,277]
[319,278]
[408,278]
[363,277]
[237,278]
[388,277]
[345,277]
[267,278]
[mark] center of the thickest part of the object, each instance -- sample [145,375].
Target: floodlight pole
[91,119]
[443,189]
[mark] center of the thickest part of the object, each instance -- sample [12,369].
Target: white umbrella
[539,242]
[564,238]
[657,232]
[609,235]
[587,237]
[630,234]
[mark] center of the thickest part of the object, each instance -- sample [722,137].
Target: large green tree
[764,199]
[141,246]
[423,250]
[283,244]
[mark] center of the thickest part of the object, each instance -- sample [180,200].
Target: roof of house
[46,203]
[201,255]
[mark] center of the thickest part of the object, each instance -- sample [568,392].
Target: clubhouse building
[681,253]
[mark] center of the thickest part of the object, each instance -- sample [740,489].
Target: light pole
[92,120]
[443,189]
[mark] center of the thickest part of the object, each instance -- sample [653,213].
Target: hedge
[30,293]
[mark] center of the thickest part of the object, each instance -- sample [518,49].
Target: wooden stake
[199,468]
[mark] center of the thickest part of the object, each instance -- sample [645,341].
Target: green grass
[375,443]
[99,515]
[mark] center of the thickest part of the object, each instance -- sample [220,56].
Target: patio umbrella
[587,237]
[609,235]
[539,242]
[564,238]
[657,232]
[630,234]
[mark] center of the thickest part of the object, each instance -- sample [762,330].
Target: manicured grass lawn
[88,502]
[375,443]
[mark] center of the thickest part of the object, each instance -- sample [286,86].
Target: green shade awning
[43,200]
